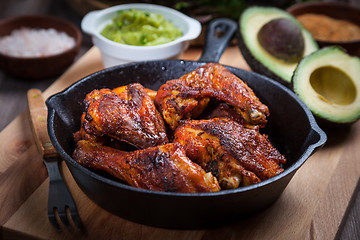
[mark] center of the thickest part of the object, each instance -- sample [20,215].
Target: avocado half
[328,82]
[251,21]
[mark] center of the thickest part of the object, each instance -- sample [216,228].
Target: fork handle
[38,117]
[52,166]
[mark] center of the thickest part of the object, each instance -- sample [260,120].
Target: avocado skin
[254,64]
[328,125]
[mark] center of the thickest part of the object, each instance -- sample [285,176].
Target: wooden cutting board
[311,207]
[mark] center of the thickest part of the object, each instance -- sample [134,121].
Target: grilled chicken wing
[161,168]
[224,110]
[236,155]
[126,113]
[187,97]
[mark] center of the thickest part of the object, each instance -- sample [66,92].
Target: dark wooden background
[13,91]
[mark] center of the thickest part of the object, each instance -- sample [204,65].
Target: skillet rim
[311,148]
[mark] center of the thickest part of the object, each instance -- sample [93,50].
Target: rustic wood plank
[19,181]
[332,206]
[16,139]
[349,228]
[13,8]
[89,63]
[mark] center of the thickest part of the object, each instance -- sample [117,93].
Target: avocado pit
[283,39]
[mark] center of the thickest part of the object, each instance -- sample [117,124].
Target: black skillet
[291,128]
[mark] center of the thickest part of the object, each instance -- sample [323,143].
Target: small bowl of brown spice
[331,23]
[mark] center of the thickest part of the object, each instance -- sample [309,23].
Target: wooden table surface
[13,103]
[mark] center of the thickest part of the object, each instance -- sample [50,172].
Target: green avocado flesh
[259,59]
[141,28]
[328,82]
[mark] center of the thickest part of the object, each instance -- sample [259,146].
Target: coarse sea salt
[35,42]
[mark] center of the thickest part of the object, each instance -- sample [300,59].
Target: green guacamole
[141,28]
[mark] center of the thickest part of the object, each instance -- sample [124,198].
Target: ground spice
[324,28]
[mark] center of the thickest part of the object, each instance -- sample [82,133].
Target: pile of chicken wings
[198,133]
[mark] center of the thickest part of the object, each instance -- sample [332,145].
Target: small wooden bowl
[334,10]
[39,67]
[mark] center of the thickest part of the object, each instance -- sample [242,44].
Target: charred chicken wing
[127,114]
[160,168]
[236,155]
[187,97]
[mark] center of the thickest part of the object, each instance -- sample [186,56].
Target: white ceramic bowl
[114,53]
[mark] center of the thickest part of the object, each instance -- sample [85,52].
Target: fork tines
[61,206]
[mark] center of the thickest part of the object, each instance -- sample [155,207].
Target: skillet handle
[218,35]
[38,118]
[317,137]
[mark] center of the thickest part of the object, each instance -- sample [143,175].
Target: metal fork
[61,206]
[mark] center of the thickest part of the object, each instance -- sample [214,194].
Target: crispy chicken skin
[187,97]
[126,113]
[160,168]
[236,155]
[224,110]
[121,91]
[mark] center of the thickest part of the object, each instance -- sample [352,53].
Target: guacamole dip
[140,28]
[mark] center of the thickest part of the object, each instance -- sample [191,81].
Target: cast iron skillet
[291,128]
